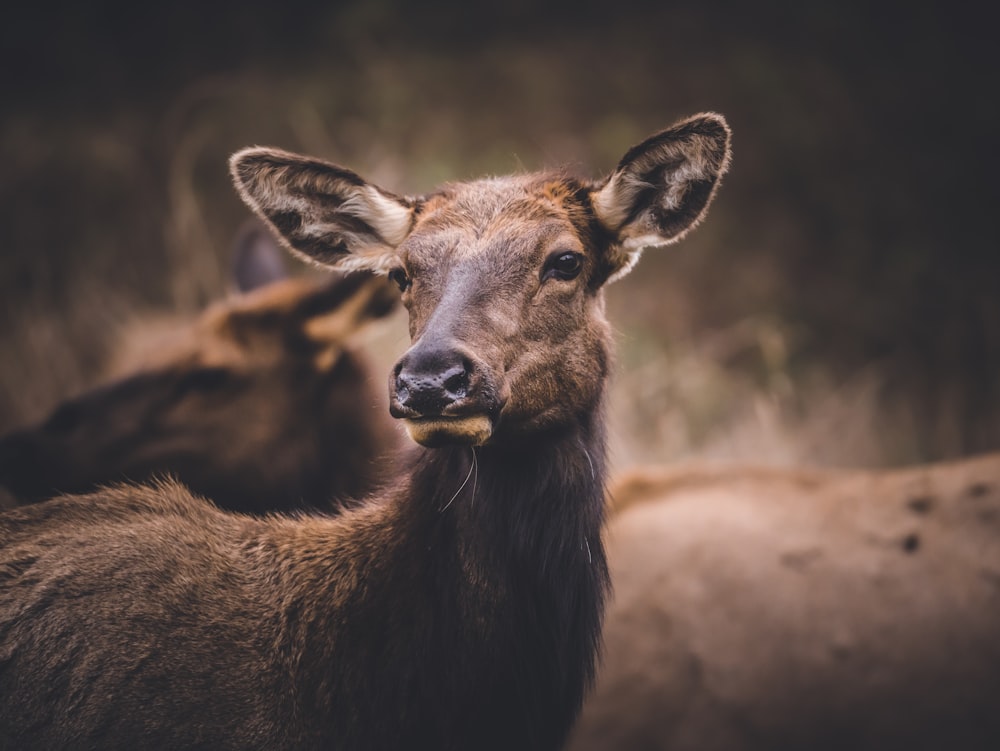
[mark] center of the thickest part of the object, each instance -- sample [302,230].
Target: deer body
[458,609]
[770,609]
[234,636]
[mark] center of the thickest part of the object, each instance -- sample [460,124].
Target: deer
[263,403]
[460,606]
[774,608]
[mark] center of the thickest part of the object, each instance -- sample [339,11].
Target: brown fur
[458,609]
[769,609]
[262,404]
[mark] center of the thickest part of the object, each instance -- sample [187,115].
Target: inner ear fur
[661,189]
[323,212]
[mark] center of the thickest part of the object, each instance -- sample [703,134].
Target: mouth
[470,430]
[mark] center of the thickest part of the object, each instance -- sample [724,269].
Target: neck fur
[477,602]
[525,524]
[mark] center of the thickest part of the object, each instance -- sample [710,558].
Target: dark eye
[400,278]
[563,265]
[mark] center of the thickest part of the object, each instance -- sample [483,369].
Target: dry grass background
[839,307]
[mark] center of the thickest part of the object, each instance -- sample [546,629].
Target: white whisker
[464,483]
[593,472]
[475,478]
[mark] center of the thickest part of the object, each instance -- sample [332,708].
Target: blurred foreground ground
[840,306]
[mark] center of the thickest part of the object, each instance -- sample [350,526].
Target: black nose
[428,380]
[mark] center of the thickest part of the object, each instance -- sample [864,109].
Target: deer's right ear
[325,213]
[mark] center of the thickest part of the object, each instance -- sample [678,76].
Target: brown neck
[485,609]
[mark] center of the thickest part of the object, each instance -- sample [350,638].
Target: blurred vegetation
[840,306]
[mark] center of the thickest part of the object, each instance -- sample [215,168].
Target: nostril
[456,382]
[402,391]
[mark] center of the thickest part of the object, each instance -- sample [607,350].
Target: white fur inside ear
[389,218]
[613,202]
[378,259]
[674,164]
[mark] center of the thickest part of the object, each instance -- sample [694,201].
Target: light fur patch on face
[438,431]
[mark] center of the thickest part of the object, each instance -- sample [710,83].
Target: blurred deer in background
[262,404]
[770,610]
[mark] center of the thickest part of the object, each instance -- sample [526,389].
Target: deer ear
[345,305]
[661,189]
[320,211]
[257,261]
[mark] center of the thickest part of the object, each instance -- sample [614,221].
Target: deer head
[261,404]
[502,277]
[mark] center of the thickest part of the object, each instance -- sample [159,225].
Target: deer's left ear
[661,189]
